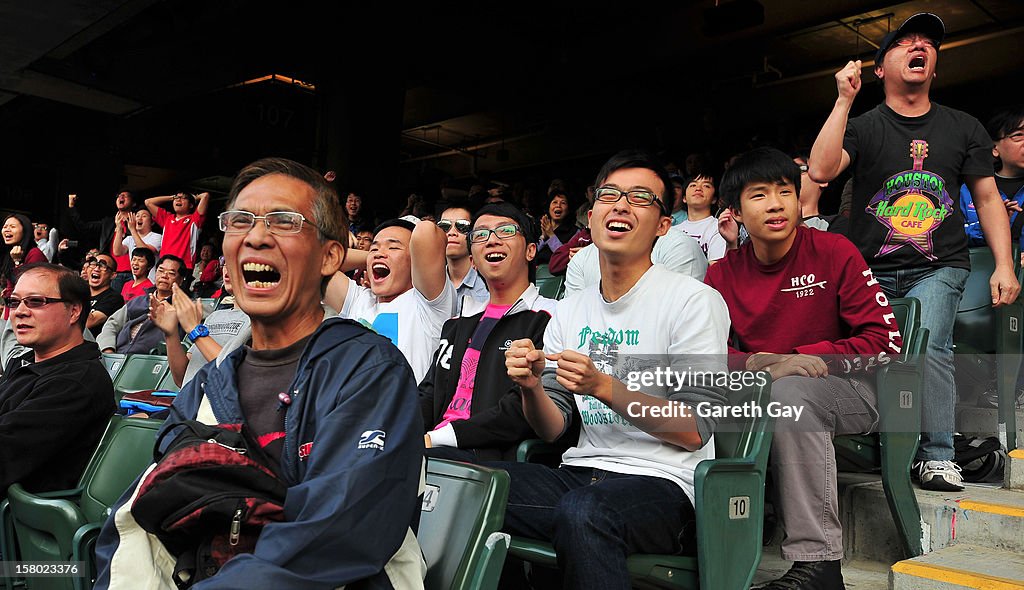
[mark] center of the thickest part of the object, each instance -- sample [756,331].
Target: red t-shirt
[820,299]
[130,290]
[124,263]
[210,272]
[180,235]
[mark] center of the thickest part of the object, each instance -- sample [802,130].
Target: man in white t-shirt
[627,486]
[701,223]
[675,250]
[410,296]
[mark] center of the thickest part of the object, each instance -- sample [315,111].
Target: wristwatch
[198,332]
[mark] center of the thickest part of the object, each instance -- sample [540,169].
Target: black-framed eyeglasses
[278,222]
[610,194]
[461,225]
[101,264]
[504,232]
[31,302]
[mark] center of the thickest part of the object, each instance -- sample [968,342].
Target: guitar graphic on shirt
[912,205]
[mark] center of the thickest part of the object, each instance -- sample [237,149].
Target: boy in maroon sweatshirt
[805,307]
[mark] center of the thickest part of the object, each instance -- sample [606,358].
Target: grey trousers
[804,461]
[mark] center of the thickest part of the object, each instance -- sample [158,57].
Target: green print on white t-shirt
[609,336]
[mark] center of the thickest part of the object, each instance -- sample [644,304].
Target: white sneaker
[942,476]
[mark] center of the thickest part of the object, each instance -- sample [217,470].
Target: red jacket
[560,259]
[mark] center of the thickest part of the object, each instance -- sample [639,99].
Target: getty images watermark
[676,381]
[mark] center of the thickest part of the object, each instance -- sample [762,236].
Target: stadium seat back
[113,362]
[463,510]
[140,372]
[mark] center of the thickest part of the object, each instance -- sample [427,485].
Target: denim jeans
[596,518]
[939,291]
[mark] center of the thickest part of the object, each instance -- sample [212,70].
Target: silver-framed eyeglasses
[504,232]
[278,222]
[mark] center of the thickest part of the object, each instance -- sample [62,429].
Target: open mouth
[495,256]
[260,276]
[917,63]
[380,271]
[776,222]
[95,276]
[619,227]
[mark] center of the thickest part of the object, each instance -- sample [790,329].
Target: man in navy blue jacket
[331,403]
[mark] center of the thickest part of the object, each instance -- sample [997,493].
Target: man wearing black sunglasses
[455,223]
[55,395]
[105,300]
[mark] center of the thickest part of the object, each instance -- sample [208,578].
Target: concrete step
[857,575]
[1014,478]
[972,421]
[981,515]
[960,566]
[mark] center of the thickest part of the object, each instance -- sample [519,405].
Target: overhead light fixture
[278,78]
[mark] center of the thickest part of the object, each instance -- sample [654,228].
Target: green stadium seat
[730,512]
[980,329]
[113,362]
[462,514]
[548,284]
[167,383]
[140,372]
[893,447]
[63,525]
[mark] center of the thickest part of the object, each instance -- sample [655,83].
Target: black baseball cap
[925,23]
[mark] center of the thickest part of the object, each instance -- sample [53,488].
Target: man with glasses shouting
[55,394]
[908,156]
[329,403]
[105,300]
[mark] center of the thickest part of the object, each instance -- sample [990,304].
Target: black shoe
[809,575]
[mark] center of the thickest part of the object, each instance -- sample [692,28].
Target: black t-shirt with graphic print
[907,172]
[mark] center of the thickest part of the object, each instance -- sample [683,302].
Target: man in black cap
[908,157]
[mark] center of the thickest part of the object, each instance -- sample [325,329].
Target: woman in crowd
[556,227]
[19,248]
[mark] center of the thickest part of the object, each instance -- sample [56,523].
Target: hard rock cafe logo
[912,205]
